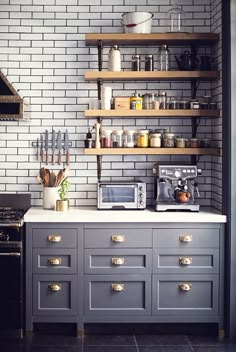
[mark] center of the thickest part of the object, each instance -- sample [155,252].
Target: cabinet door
[55,237]
[118,261]
[55,295]
[117,295]
[185,295]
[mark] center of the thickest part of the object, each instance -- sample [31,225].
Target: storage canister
[129,138]
[136,63]
[162,100]
[142,138]
[149,63]
[205,143]
[117,140]
[155,139]
[168,140]
[114,59]
[106,138]
[194,143]
[179,142]
[136,102]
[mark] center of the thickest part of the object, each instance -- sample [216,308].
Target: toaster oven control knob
[141,188]
[141,202]
[141,195]
[177,173]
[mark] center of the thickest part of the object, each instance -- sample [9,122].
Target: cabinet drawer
[186,238]
[55,238]
[55,261]
[117,238]
[117,261]
[120,295]
[185,295]
[55,295]
[182,261]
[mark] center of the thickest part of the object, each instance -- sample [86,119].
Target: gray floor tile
[164,340]
[109,340]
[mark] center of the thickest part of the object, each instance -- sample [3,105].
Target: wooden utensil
[52,180]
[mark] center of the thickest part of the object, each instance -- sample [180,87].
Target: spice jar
[142,138]
[168,140]
[106,139]
[194,104]
[135,63]
[147,101]
[205,143]
[136,102]
[162,100]
[129,138]
[116,138]
[155,139]
[149,63]
[155,102]
[179,142]
[194,143]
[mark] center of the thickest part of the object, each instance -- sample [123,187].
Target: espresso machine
[175,186]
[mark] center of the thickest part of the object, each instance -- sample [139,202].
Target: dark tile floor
[119,343]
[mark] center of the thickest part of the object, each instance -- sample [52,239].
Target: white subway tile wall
[43,54]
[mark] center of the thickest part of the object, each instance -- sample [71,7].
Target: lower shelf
[158,151]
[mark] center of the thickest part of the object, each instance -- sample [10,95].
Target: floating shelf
[157,151]
[152,113]
[151,76]
[11,104]
[132,39]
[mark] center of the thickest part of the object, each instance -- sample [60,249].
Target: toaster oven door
[118,197]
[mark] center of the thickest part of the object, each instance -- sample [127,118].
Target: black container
[136,63]
[149,65]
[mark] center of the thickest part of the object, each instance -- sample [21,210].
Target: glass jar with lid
[168,140]
[117,140]
[155,139]
[163,58]
[136,63]
[129,138]
[176,19]
[136,102]
[162,96]
[106,138]
[179,142]
[142,138]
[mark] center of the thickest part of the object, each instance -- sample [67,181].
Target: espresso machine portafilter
[175,187]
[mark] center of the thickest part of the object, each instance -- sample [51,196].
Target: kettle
[187,61]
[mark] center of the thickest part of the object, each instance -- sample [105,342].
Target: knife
[53,146]
[41,147]
[37,148]
[46,146]
[59,146]
[66,148]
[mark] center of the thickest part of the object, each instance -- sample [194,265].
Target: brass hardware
[54,287]
[185,260]
[54,238]
[185,238]
[117,261]
[54,261]
[117,287]
[185,287]
[118,238]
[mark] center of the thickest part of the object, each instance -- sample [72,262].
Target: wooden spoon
[46,180]
[52,180]
[59,177]
[42,172]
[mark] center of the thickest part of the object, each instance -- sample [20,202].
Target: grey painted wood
[168,261]
[68,237]
[202,299]
[99,261]
[42,257]
[47,302]
[100,299]
[201,238]
[102,238]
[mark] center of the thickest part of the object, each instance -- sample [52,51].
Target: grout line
[192,349]
[136,344]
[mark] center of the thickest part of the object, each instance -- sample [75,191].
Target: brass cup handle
[118,238]
[185,260]
[185,287]
[117,261]
[54,261]
[54,287]
[54,238]
[117,287]
[185,238]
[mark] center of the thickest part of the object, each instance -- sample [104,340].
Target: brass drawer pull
[54,261]
[117,287]
[118,238]
[185,287]
[117,261]
[185,238]
[54,238]
[54,287]
[185,260]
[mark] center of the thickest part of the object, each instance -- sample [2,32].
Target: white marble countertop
[92,215]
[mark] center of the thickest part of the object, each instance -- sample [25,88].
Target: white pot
[137,22]
[50,196]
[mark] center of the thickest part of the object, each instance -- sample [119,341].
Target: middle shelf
[155,151]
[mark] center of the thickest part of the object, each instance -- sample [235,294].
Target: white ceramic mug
[50,196]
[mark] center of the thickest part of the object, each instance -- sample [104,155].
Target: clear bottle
[162,96]
[114,59]
[136,63]
[163,58]
[176,18]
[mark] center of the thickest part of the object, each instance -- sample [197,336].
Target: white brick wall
[44,54]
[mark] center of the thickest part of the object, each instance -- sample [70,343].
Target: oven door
[117,196]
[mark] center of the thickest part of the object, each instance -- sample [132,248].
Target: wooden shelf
[151,113]
[133,39]
[151,76]
[157,151]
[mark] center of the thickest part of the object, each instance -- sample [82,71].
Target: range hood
[11,104]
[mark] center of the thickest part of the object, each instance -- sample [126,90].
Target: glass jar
[155,102]
[179,142]
[162,100]
[194,104]
[114,59]
[174,104]
[136,102]
[155,139]
[106,138]
[142,138]
[205,143]
[149,63]
[129,138]
[168,140]
[176,18]
[184,104]
[136,63]
[117,140]
[163,58]
[194,143]
[147,101]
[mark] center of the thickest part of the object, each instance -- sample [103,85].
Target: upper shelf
[152,76]
[132,39]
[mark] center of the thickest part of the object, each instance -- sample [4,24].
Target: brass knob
[54,238]
[54,261]
[185,238]
[117,287]
[118,238]
[117,261]
[54,287]
[185,287]
[185,260]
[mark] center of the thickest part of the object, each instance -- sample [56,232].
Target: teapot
[183,196]
[187,61]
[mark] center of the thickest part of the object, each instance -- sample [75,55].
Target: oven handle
[16,254]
